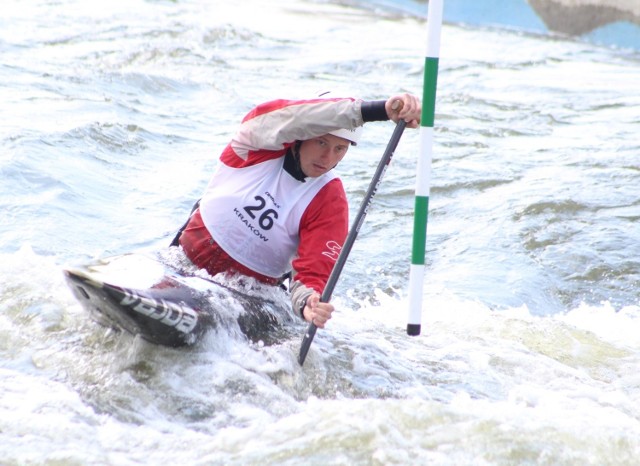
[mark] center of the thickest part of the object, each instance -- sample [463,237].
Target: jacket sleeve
[274,125]
[323,230]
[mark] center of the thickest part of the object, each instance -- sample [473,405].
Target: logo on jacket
[333,250]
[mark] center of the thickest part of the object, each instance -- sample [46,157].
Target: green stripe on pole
[429,91]
[420,230]
[423,179]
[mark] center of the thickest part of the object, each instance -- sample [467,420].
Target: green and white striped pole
[423,179]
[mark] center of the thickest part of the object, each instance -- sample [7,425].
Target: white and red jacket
[265,218]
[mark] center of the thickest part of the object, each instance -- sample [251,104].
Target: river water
[112,119]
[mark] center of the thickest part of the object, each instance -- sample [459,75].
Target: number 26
[267,218]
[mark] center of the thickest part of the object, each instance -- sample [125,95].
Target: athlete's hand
[405,107]
[316,312]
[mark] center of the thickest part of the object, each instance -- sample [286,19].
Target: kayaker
[275,205]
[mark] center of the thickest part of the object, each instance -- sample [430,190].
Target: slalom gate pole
[353,233]
[423,178]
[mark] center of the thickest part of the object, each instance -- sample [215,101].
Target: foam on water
[475,376]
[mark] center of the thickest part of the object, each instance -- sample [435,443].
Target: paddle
[353,233]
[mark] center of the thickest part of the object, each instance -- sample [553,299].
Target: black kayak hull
[171,309]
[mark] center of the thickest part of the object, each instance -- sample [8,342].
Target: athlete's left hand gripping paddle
[353,233]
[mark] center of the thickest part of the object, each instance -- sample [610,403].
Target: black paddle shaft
[353,233]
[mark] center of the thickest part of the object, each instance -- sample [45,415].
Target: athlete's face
[321,154]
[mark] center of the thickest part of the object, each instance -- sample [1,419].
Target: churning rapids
[112,119]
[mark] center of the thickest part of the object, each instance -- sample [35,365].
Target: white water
[113,118]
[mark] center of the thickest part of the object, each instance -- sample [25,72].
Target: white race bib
[254,213]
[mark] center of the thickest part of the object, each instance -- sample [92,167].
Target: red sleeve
[323,230]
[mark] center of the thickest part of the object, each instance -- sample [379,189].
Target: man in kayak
[274,203]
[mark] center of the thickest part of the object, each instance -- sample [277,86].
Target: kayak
[167,304]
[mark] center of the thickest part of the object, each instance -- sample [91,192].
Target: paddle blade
[306,342]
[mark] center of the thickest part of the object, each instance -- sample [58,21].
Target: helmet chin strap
[296,156]
[293,164]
